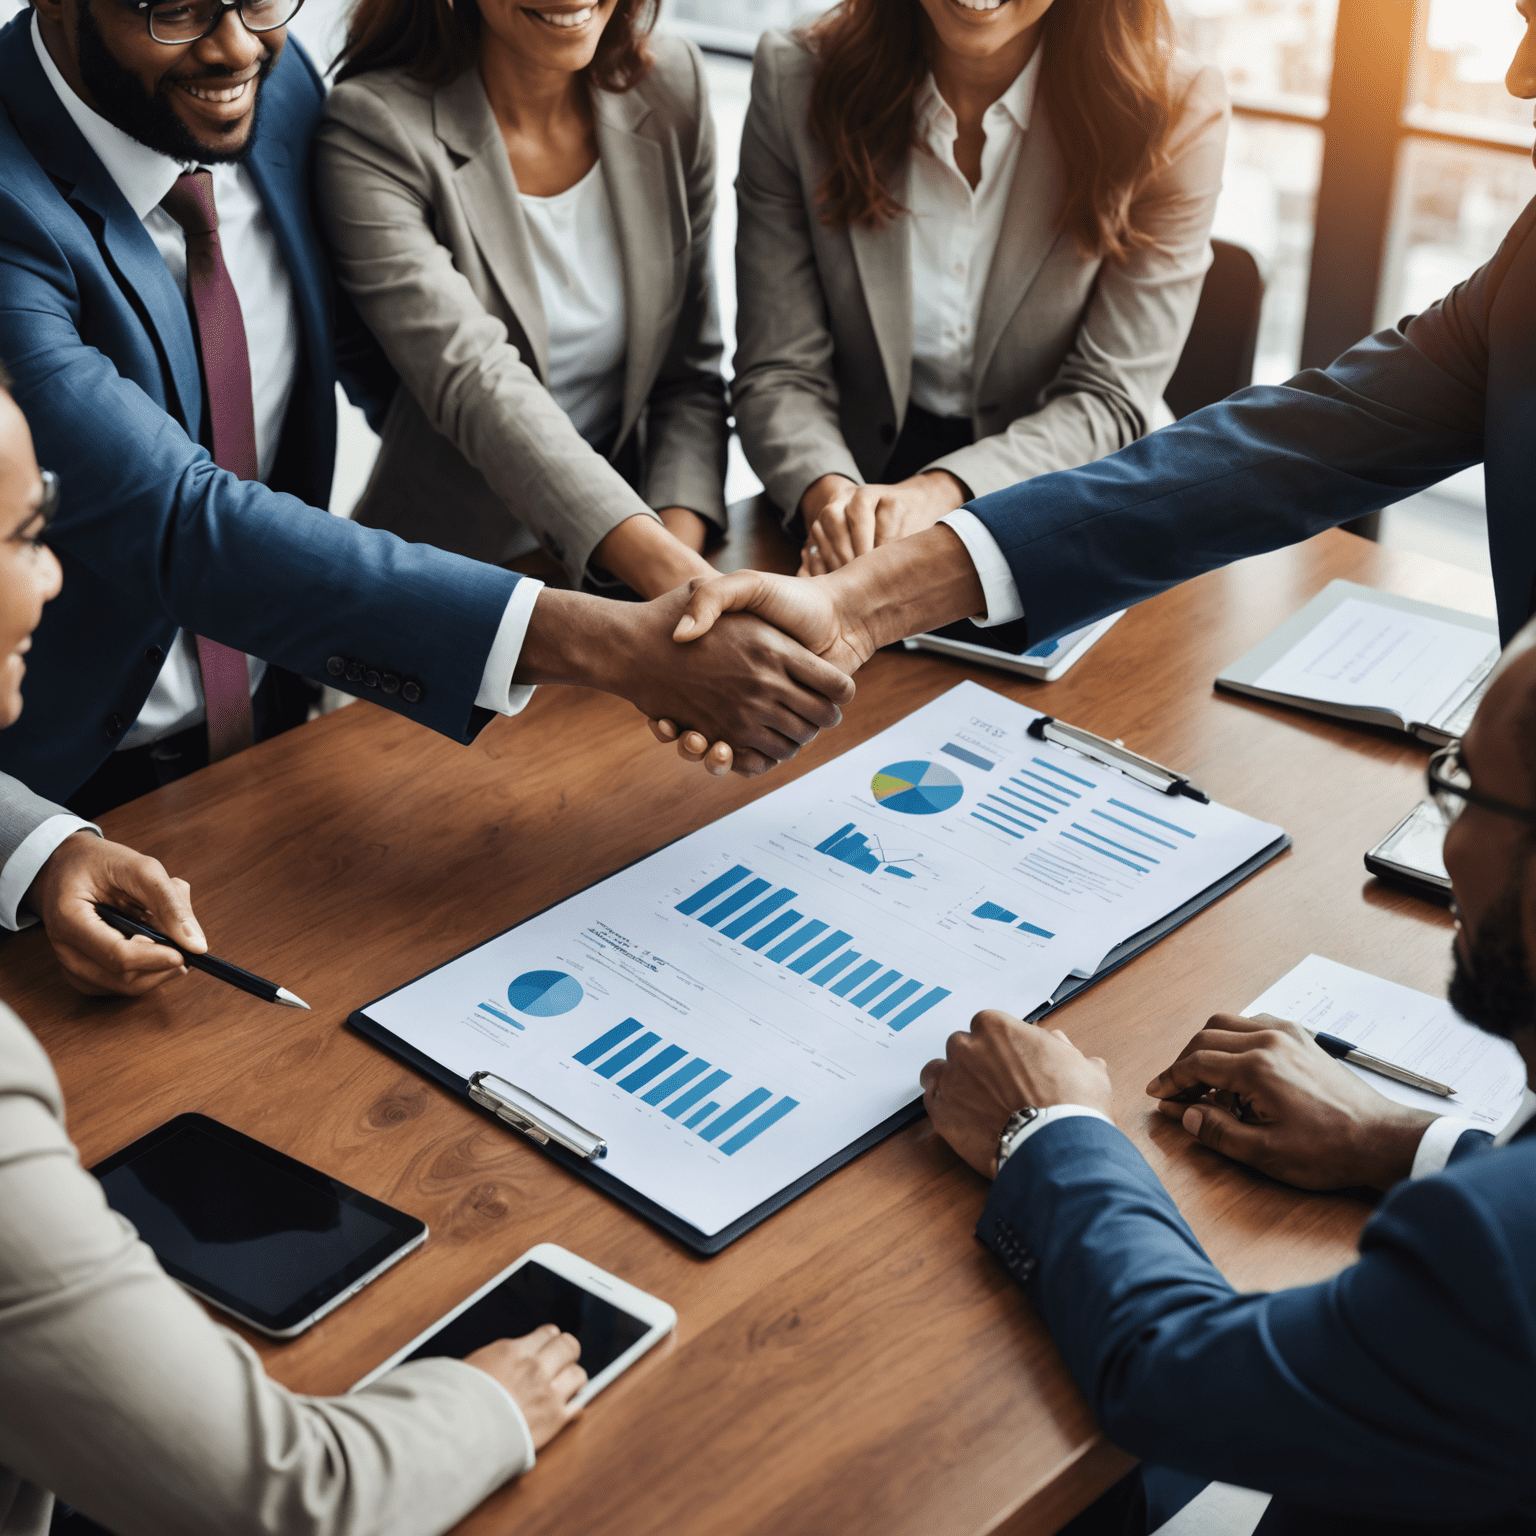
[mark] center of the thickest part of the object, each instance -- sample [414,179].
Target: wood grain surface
[858,1363]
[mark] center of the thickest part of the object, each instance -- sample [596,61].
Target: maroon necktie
[226,362]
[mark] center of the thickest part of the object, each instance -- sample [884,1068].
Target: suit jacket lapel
[635,171]
[884,260]
[58,147]
[1029,231]
[463,120]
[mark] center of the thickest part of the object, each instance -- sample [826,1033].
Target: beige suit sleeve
[469,379]
[687,430]
[1106,390]
[119,1394]
[785,392]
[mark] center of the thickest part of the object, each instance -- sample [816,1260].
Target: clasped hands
[1273,1098]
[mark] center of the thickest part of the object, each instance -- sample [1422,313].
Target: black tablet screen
[250,1228]
[529,1297]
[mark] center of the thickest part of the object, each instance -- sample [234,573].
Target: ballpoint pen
[268,991]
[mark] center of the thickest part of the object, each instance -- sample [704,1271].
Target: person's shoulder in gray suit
[121,1396]
[429,237]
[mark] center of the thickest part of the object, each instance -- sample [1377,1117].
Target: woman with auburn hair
[972,239]
[518,201]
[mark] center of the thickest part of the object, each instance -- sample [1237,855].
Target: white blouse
[581,281]
[955,230]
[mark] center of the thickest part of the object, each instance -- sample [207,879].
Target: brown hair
[1104,84]
[435,41]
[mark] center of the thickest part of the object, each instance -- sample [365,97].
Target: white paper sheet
[1372,657]
[1409,1029]
[721,1046]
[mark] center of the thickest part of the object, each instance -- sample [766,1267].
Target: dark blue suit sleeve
[148,515]
[1469,1144]
[1268,467]
[1401,1388]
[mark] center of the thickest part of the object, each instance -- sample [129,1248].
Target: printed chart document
[1374,657]
[1409,1029]
[737,1008]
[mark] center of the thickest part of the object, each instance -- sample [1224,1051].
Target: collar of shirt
[143,175]
[938,127]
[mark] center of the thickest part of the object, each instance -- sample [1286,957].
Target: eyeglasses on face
[34,530]
[175,22]
[1450,786]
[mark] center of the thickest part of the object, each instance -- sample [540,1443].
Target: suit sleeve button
[370,678]
[410,691]
[336,665]
[390,683]
[354,671]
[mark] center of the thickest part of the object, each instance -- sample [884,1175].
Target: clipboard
[559,1147]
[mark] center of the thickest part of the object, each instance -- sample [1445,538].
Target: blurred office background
[1375,161]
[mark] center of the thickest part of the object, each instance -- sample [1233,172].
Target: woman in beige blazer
[970,247]
[519,203]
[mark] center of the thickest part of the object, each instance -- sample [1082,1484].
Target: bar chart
[740,906]
[864,852]
[688,1085]
[992,912]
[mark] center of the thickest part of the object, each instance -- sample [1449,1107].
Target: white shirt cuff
[21,868]
[496,688]
[522,1424]
[1436,1143]
[1004,604]
[1049,1116]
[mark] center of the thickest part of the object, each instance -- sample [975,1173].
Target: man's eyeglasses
[35,529]
[1450,786]
[175,22]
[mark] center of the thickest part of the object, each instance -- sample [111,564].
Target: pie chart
[544,993]
[916,788]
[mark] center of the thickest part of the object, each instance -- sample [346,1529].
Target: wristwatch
[1016,1123]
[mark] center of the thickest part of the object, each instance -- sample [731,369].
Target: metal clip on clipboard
[533,1117]
[1109,754]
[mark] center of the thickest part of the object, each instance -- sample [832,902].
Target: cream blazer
[422,215]
[1072,353]
[121,1395]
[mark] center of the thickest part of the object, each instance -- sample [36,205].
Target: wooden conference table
[857,1364]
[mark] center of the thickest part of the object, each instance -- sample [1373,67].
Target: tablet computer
[252,1231]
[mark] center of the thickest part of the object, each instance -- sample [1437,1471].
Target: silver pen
[1342,1050]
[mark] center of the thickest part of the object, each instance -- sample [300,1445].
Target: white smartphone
[614,1321]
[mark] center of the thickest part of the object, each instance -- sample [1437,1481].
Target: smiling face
[561,36]
[193,101]
[976,29]
[29,572]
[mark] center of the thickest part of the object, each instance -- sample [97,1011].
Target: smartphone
[614,1322]
[1412,854]
[256,1233]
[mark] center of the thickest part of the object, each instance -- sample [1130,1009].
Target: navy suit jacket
[1399,1394]
[153,536]
[1270,466]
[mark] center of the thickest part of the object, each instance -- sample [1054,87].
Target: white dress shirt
[265,292]
[954,233]
[576,255]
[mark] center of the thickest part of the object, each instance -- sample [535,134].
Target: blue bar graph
[895,1000]
[749,920]
[800,937]
[713,889]
[819,952]
[758,1126]
[851,848]
[496,1013]
[679,1079]
[652,1068]
[919,1008]
[682,1105]
[770,931]
[827,972]
[605,1043]
[702,1116]
[853,978]
[871,992]
[975,759]
[631,1052]
[738,1112]
[1043,933]
[896,869]
[997,826]
[994,913]
[734,903]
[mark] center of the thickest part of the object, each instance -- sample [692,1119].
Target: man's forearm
[572,639]
[908,587]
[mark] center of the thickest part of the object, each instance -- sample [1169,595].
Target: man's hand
[748,684]
[994,1071]
[1306,1118]
[540,1372]
[808,610]
[97,959]
[847,520]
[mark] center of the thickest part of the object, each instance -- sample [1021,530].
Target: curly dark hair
[435,41]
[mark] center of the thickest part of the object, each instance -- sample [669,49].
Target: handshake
[743,670]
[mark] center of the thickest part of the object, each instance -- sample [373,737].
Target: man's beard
[121,99]
[1494,991]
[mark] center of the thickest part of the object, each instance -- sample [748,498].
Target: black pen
[222,970]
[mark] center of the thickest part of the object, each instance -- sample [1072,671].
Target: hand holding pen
[1305,1117]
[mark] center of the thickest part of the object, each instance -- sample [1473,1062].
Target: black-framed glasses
[36,527]
[175,22]
[1450,786]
